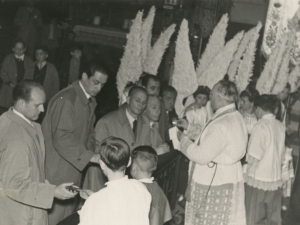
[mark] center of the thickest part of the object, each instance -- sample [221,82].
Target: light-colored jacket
[24,195]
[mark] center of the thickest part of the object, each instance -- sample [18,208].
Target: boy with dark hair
[12,72]
[44,72]
[123,201]
[265,157]
[144,162]
[72,67]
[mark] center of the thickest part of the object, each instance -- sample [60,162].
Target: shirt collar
[151,124]
[86,94]
[116,182]
[147,180]
[22,116]
[269,116]
[130,117]
[20,57]
[42,64]
[223,109]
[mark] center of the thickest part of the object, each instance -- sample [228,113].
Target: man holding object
[24,193]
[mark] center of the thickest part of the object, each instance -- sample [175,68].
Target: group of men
[37,163]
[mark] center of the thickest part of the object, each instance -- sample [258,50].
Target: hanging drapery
[283,16]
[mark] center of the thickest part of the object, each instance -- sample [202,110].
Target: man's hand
[183,123]
[62,193]
[180,135]
[95,159]
[85,193]
[163,148]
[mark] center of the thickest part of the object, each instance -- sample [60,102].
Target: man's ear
[85,76]
[129,162]
[20,103]
[127,99]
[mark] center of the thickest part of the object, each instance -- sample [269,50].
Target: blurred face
[19,49]
[169,99]
[284,94]
[245,104]
[40,56]
[77,54]
[94,84]
[153,87]
[201,100]
[32,109]
[137,103]
[153,109]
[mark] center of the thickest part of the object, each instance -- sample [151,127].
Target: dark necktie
[90,106]
[134,126]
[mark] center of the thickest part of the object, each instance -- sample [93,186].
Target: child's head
[114,155]
[19,47]
[41,53]
[144,162]
[247,98]
[76,51]
[201,95]
[264,104]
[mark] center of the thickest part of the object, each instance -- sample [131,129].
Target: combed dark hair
[229,90]
[76,47]
[266,102]
[115,153]
[250,93]
[147,77]
[23,90]
[135,89]
[19,40]
[94,66]
[169,89]
[44,48]
[203,90]
[145,157]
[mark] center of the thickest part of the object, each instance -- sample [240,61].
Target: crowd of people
[58,165]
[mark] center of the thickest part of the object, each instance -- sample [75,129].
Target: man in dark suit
[29,21]
[69,134]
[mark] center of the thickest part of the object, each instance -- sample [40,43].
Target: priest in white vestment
[215,193]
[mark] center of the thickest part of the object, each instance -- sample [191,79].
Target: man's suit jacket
[69,135]
[8,75]
[150,135]
[117,124]
[51,81]
[114,124]
[24,194]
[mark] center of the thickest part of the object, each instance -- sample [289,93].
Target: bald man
[125,123]
[151,133]
[215,163]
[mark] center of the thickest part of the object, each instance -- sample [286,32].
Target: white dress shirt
[86,94]
[123,202]
[22,116]
[20,57]
[130,118]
